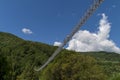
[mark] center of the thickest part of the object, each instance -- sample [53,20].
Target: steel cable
[89,12]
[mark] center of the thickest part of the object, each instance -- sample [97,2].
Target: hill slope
[22,56]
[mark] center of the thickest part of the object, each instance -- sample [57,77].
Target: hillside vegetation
[19,57]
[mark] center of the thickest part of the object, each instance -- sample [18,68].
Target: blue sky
[52,20]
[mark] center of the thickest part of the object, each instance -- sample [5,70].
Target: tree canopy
[18,58]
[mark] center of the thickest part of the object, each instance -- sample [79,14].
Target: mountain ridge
[23,55]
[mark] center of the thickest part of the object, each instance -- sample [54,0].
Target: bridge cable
[89,12]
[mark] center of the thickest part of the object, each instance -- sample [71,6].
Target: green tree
[4,68]
[115,77]
[73,66]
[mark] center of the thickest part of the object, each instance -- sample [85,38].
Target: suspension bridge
[82,21]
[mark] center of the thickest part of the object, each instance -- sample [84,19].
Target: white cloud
[57,43]
[84,40]
[114,6]
[26,31]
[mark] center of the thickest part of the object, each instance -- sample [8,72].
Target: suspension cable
[89,12]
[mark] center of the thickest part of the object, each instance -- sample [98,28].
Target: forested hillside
[19,57]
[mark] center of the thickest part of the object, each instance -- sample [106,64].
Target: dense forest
[19,57]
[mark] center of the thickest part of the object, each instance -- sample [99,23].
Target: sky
[50,21]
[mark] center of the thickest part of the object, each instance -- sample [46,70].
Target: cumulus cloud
[57,43]
[114,6]
[84,40]
[26,31]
